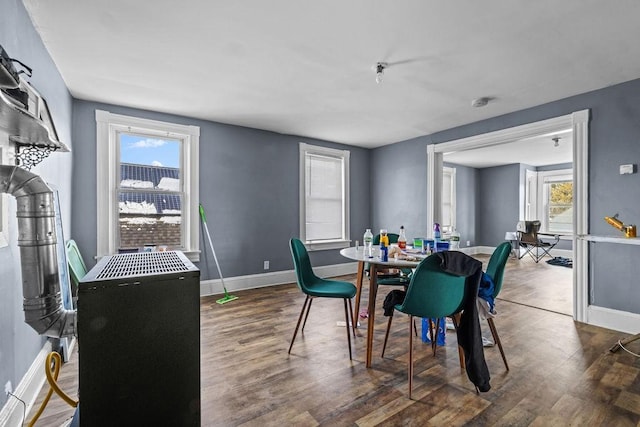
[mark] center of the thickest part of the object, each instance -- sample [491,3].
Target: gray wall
[499,202]
[19,344]
[614,130]
[468,207]
[248,186]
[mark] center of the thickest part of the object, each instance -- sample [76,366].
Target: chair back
[302,264]
[77,267]
[432,292]
[530,232]
[496,265]
[393,238]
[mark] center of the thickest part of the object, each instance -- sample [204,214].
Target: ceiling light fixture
[380,66]
[556,141]
[480,102]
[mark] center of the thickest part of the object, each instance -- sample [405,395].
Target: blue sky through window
[145,150]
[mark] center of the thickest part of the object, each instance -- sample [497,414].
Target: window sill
[324,246]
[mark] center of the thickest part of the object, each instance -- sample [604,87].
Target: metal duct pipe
[42,303]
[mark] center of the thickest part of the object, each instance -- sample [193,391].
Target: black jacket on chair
[469,332]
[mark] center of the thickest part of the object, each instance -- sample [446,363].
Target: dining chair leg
[386,335]
[496,338]
[307,314]
[353,321]
[433,337]
[304,307]
[456,321]
[410,356]
[346,318]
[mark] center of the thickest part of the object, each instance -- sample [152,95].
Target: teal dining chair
[315,287]
[495,269]
[432,293]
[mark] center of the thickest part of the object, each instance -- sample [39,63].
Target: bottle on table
[384,237]
[402,239]
[454,240]
[368,242]
[384,252]
[436,232]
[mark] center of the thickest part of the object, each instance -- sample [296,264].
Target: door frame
[578,121]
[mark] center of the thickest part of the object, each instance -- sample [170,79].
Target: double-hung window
[549,198]
[147,185]
[324,197]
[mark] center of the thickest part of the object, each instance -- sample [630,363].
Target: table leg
[356,315]
[373,289]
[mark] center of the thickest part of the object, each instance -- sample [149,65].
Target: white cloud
[148,143]
[156,163]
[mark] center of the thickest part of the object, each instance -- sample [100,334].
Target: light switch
[627,169]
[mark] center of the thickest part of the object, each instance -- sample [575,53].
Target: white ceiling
[306,68]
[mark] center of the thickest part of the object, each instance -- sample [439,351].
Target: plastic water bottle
[436,232]
[368,242]
[454,240]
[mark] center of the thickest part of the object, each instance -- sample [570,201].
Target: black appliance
[139,341]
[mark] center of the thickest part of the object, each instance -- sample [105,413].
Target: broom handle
[215,258]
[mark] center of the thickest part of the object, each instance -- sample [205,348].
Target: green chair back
[302,264]
[393,238]
[77,267]
[496,265]
[432,292]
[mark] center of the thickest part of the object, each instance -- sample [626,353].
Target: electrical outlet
[468,242]
[8,388]
[266,265]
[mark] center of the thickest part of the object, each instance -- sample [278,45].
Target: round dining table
[361,255]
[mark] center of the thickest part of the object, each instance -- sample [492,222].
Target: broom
[226,297]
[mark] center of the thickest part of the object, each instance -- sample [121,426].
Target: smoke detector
[480,102]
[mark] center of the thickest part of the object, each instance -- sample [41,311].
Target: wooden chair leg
[496,338]
[346,318]
[410,357]
[386,335]
[302,312]
[456,321]
[308,310]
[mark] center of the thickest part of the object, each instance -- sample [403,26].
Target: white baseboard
[28,389]
[617,320]
[253,281]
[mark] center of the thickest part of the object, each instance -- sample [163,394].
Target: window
[147,184]
[324,197]
[553,204]
[448,200]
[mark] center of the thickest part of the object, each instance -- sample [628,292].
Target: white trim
[4,227]
[344,155]
[107,127]
[27,390]
[613,239]
[239,283]
[613,319]
[578,121]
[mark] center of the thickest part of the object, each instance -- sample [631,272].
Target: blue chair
[315,287]
[432,293]
[495,269]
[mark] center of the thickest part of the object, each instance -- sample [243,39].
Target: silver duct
[43,309]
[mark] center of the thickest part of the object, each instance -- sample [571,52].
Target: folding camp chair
[531,240]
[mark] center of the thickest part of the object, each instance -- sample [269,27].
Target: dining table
[362,256]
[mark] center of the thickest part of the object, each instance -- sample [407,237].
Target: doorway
[578,123]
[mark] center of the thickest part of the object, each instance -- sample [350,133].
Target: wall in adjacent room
[248,186]
[614,131]
[19,344]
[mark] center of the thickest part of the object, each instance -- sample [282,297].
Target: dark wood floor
[561,372]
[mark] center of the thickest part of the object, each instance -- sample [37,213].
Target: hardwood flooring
[561,371]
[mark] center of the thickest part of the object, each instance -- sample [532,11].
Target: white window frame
[4,228]
[547,177]
[109,125]
[446,170]
[344,155]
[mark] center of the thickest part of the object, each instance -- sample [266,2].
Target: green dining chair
[495,269]
[432,293]
[315,287]
[77,267]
